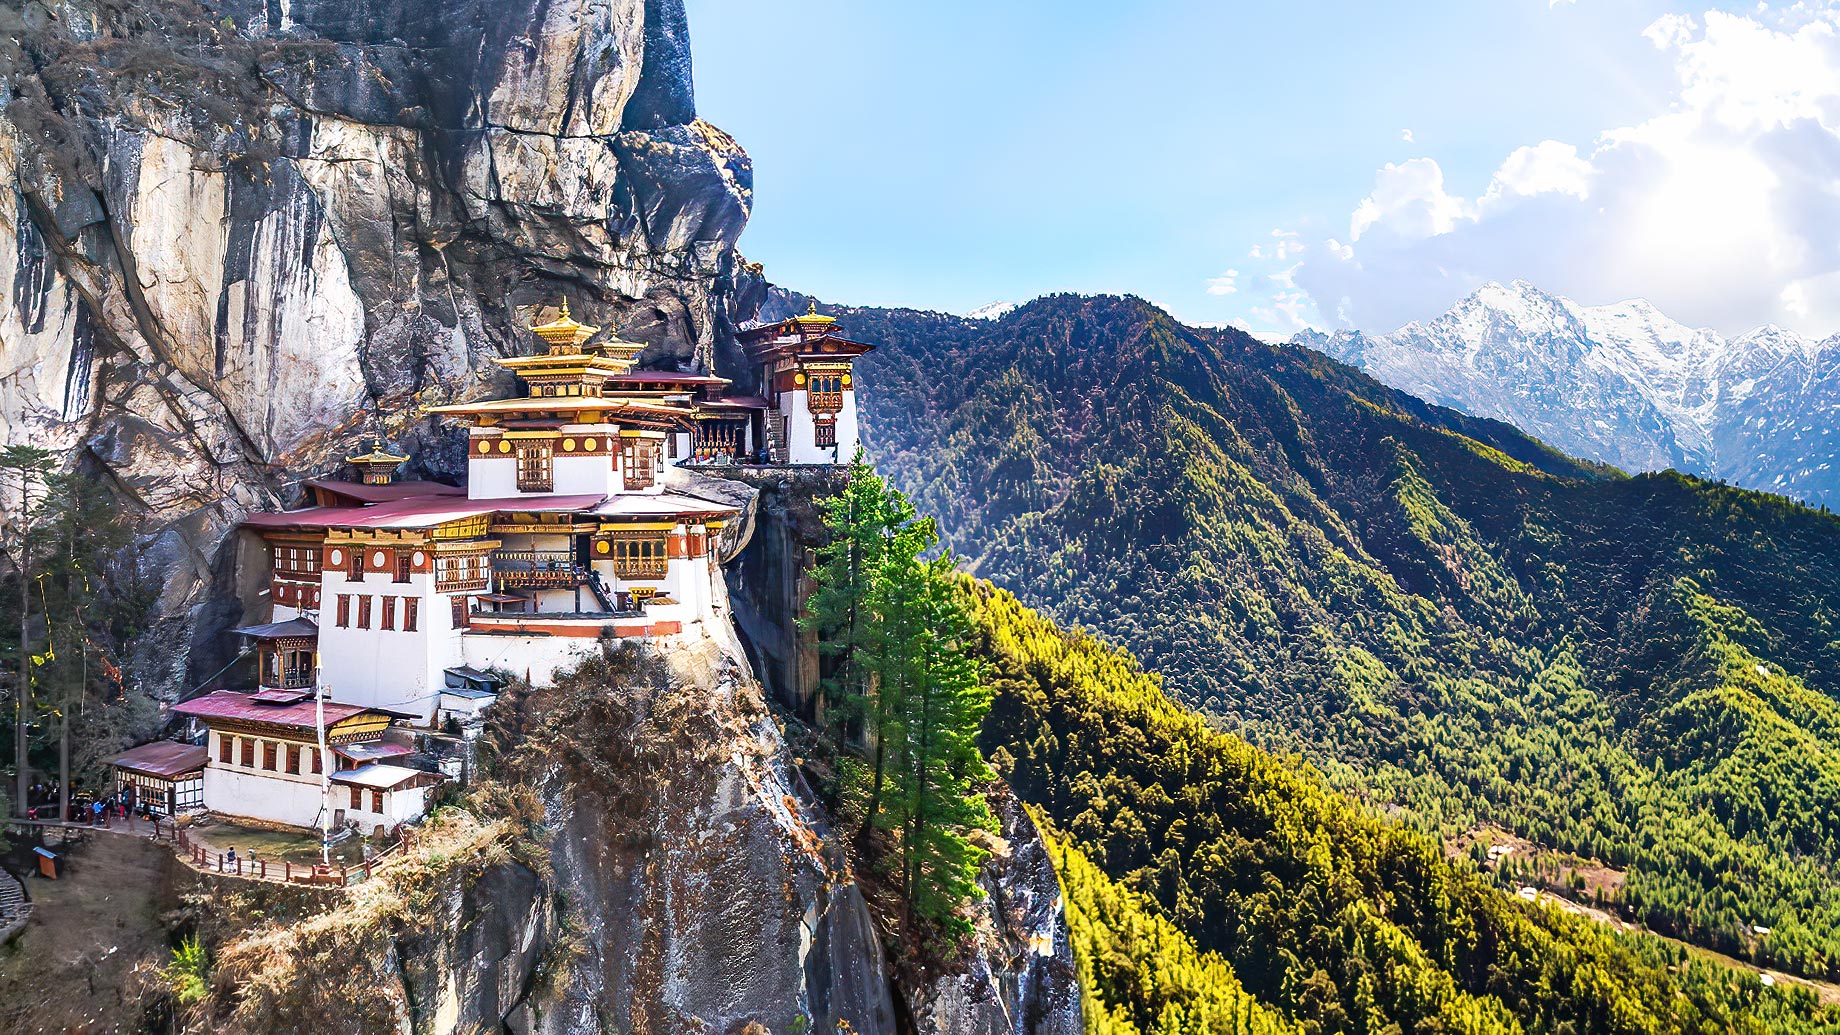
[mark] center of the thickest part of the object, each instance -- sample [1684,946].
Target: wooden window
[824,392]
[535,467]
[411,611]
[389,613]
[364,612]
[639,458]
[460,609]
[293,763]
[377,801]
[268,756]
[357,799]
[355,570]
[223,748]
[249,752]
[319,760]
[824,434]
[344,610]
[404,567]
[640,555]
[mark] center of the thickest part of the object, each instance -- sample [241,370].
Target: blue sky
[1287,164]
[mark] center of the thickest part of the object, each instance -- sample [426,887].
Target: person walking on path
[98,813]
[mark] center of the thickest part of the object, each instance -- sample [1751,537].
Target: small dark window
[377,801]
[357,798]
[223,748]
[411,607]
[389,613]
[293,765]
[344,610]
[364,612]
[268,757]
[249,754]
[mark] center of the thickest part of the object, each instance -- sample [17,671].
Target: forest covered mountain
[1624,384]
[1212,886]
[1631,680]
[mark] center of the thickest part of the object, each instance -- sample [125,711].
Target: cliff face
[237,235]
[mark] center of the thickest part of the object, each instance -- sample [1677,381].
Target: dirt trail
[72,969]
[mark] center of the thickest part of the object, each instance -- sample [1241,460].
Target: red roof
[750,402]
[383,493]
[420,512]
[163,758]
[665,377]
[231,705]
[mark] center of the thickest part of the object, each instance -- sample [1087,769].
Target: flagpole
[325,771]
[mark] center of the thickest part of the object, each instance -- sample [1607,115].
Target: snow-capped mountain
[1625,384]
[991,311]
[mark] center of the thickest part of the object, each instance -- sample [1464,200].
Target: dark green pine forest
[1631,680]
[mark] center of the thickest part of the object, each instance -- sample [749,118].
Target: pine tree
[946,708]
[904,688]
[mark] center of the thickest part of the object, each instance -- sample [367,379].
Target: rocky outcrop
[1022,979]
[235,235]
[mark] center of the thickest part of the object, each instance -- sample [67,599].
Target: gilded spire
[379,465]
[563,334]
[812,318]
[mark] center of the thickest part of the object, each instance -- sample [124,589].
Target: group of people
[42,804]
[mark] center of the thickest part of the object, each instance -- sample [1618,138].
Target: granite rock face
[238,235]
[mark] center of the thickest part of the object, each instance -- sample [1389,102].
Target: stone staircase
[14,909]
[776,437]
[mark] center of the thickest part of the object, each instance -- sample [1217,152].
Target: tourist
[99,813]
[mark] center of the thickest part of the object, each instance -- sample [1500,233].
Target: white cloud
[1723,208]
[1548,167]
[1406,135]
[1410,201]
[1223,284]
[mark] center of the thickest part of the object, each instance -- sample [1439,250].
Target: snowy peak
[991,311]
[1623,383]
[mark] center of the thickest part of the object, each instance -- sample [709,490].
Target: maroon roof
[231,705]
[665,377]
[383,493]
[419,512]
[371,751]
[749,402]
[163,758]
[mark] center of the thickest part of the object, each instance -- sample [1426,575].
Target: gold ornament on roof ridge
[563,334]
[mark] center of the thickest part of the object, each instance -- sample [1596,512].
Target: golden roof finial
[812,317]
[563,334]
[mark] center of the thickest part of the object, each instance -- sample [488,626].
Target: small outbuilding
[166,776]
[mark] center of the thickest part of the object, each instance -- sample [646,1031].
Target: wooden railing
[537,568]
[285,872]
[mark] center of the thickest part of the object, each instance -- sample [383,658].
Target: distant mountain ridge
[1625,384]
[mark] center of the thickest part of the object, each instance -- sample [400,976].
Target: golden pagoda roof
[563,333]
[377,455]
[586,409]
[813,318]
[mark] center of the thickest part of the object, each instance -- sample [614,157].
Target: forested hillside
[1214,887]
[1447,617]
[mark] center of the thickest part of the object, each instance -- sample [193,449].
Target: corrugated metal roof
[280,630]
[380,776]
[230,705]
[383,493]
[163,758]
